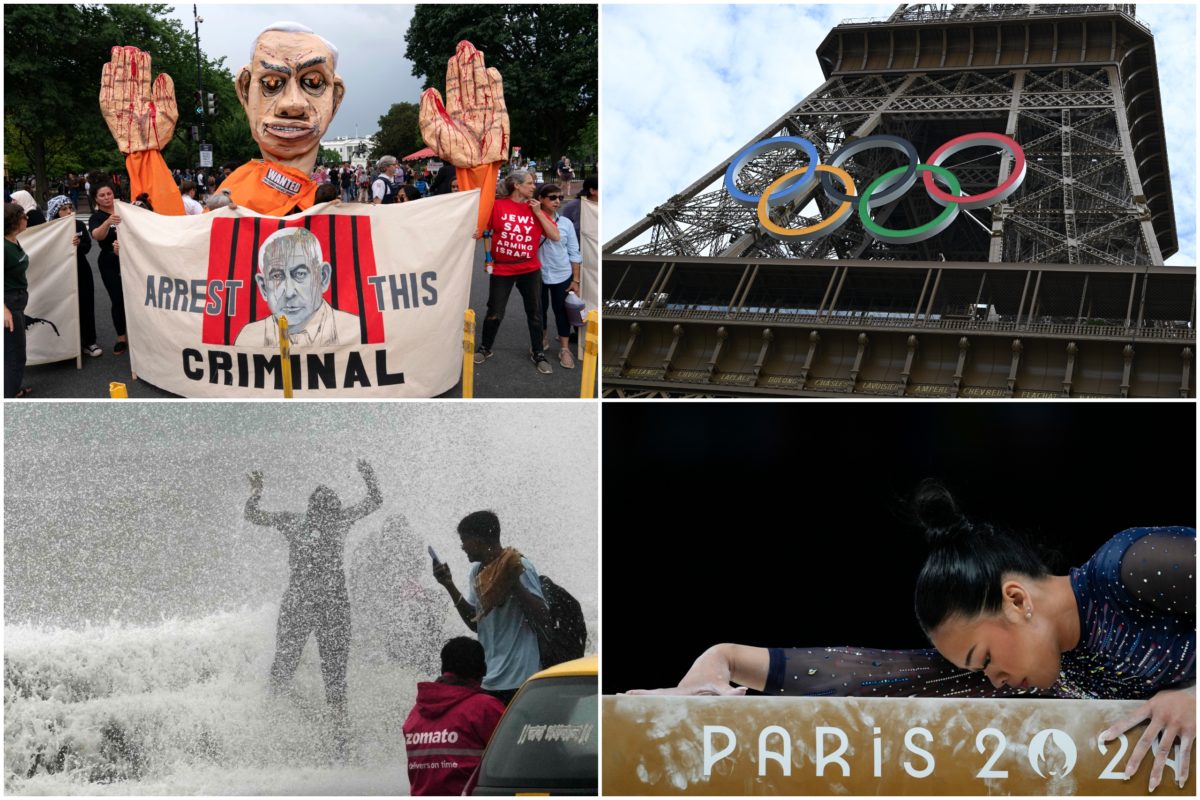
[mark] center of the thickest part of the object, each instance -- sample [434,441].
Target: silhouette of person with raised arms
[316,599]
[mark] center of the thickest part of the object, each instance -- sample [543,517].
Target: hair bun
[937,512]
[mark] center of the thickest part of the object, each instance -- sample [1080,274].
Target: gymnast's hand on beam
[696,690]
[1171,713]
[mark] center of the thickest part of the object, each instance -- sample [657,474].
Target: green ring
[921,232]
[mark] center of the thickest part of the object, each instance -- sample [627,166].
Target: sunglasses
[553,197]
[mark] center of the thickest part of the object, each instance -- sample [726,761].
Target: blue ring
[784,194]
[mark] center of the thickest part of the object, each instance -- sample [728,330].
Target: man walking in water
[316,597]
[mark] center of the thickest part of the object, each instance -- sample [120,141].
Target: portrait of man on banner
[293,276]
[317,271]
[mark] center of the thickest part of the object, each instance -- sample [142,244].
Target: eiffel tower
[1057,289]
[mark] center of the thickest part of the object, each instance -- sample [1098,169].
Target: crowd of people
[531,243]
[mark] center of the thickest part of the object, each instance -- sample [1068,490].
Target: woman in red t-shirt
[514,233]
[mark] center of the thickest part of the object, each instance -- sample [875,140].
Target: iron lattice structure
[1075,85]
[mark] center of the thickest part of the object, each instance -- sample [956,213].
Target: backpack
[391,188]
[566,634]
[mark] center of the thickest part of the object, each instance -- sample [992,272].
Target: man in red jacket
[450,725]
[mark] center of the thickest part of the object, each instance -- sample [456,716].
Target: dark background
[786,524]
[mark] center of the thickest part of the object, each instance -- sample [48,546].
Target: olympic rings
[883,190]
[827,225]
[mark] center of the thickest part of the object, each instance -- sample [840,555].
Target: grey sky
[369,39]
[675,104]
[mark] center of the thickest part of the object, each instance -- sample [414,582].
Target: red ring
[977,200]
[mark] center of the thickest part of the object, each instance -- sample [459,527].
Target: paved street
[509,373]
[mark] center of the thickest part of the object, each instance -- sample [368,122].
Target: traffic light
[212,104]
[199,102]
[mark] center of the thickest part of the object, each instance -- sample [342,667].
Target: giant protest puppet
[291,91]
[470,129]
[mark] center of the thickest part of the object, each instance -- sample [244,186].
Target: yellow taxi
[547,742]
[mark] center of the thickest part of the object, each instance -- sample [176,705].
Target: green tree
[53,55]
[329,157]
[399,132]
[546,53]
[587,144]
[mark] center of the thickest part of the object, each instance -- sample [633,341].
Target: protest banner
[589,247]
[374,297]
[52,316]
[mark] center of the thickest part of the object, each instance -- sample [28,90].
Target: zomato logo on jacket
[431,737]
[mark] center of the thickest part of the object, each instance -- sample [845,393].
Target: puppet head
[290,91]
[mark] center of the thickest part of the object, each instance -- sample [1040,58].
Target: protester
[565,172]
[25,200]
[590,191]
[326,192]
[316,600]
[516,229]
[61,207]
[442,180]
[16,297]
[347,182]
[143,201]
[408,193]
[561,263]
[364,186]
[449,727]
[386,186]
[506,629]
[102,225]
[190,204]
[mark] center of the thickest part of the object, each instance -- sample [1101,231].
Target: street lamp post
[199,75]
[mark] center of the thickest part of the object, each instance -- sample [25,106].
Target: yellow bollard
[468,374]
[285,350]
[117,391]
[592,346]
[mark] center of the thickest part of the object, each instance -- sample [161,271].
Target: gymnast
[1122,626]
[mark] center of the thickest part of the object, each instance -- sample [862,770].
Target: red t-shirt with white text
[516,235]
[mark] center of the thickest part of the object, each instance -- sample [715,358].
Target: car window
[547,739]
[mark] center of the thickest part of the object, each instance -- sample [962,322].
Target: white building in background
[356,150]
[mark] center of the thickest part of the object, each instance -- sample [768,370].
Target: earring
[1028,614]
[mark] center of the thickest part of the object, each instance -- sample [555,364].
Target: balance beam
[849,745]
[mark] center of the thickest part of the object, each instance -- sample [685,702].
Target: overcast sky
[685,86]
[366,36]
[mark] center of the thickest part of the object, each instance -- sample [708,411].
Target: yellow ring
[835,219]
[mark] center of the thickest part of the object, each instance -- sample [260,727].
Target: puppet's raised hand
[472,127]
[140,113]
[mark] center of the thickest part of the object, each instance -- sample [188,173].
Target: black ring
[890,191]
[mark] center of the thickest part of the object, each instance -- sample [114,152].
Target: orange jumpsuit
[263,186]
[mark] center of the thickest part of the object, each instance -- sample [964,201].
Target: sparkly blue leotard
[1137,606]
